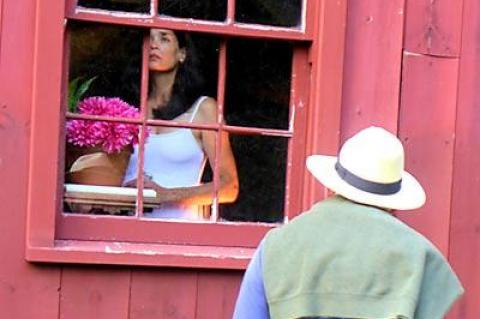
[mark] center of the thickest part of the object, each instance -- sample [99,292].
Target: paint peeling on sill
[141,254]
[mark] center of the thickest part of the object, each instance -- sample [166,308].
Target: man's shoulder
[306,222]
[327,216]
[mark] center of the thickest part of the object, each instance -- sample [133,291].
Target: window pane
[258,83]
[140,6]
[174,159]
[285,13]
[261,163]
[206,9]
[109,55]
[96,158]
[195,57]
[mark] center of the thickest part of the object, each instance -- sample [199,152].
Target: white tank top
[172,159]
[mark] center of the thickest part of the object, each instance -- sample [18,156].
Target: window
[260,64]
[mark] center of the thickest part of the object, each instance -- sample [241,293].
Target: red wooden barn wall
[410,65]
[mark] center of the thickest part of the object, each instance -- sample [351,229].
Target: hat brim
[410,196]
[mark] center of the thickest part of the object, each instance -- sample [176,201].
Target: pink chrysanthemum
[111,136]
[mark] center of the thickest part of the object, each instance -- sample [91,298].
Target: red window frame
[55,237]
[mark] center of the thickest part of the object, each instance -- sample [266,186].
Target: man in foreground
[349,257]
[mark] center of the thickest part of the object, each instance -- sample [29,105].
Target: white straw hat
[369,170]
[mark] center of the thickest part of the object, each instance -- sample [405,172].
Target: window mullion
[143,130]
[154,7]
[70,6]
[222,71]
[210,27]
[64,110]
[257,131]
[102,118]
[231,11]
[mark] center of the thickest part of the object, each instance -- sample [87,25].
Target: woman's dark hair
[188,85]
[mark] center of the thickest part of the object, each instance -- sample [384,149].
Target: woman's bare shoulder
[207,111]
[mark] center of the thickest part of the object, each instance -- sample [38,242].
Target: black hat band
[367,186]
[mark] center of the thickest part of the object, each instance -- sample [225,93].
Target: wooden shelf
[107,195]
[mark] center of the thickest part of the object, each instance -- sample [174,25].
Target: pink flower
[111,136]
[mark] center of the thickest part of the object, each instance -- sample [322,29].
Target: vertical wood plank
[323,119]
[94,293]
[217,293]
[166,294]
[26,290]
[1,23]
[433,27]
[465,222]
[299,98]
[44,175]
[427,129]
[373,57]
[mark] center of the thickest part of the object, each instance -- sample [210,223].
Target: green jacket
[343,259]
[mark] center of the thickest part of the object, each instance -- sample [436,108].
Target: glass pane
[284,13]
[206,9]
[174,163]
[258,83]
[109,57]
[261,163]
[96,158]
[140,6]
[194,59]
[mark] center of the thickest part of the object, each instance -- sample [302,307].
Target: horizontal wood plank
[121,253]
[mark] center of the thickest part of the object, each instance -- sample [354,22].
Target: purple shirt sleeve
[252,301]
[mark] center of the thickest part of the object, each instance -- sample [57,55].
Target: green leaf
[84,87]
[75,92]
[72,89]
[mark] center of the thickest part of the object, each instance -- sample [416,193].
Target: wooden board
[427,129]
[94,293]
[217,294]
[1,22]
[324,114]
[373,57]
[434,27]
[465,222]
[26,291]
[166,294]
[107,195]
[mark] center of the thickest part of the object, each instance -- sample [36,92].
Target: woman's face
[165,53]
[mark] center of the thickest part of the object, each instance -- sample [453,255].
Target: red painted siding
[163,294]
[427,129]
[465,219]
[421,55]
[217,292]
[94,292]
[325,90]
[434,27]
[21,283]
[373,58]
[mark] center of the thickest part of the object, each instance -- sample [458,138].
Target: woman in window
[174,158]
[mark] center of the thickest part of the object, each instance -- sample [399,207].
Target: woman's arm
[228,177]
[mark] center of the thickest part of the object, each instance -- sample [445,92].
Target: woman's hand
[163,194]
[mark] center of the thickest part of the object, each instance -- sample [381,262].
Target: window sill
[136,254]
